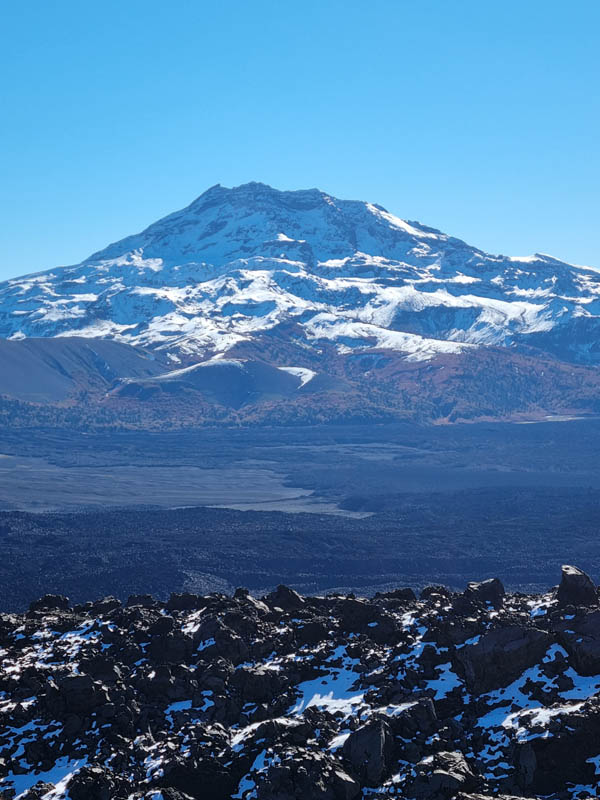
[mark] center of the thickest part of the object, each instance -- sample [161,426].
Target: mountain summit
[254,220]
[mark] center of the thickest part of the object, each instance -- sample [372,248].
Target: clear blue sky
[480,118]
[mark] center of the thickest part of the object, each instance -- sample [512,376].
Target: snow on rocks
[453,695]
[576,588]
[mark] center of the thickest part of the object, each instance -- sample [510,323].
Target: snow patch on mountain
[237,263]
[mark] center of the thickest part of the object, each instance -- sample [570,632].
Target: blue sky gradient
[478,118]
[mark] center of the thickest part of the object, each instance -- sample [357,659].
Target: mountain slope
[54,370]
[239,262]
[269,307]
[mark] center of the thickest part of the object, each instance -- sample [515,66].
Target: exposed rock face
[440,776]
[369,749]
[581,638]
[501,655]
[490,591]
[576,588]
[454,696]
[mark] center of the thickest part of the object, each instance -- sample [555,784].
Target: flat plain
[322,509]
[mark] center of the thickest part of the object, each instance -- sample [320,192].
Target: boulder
[142,600]
[501,655]
[305,775]
[368,750]
[576,588]
[581,639]
[101,668]
[184,601]
[91,783]
[192,776]
[420,717]
[356,615]
[285,598]
[161,626]
[404,595]
[50,602]
[490,591]
[81,694]
[462,796]
[257,684]
[312,631]
[435,593]
[105,606]
[441,776]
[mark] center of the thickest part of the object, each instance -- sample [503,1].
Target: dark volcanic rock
[91,783]
[490,591]
[576,588]
[501,655]
[50,602]
[441,776]
[368,751]
[285,598]
[581,638]
[470,696]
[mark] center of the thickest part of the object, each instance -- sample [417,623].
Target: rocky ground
[468,695]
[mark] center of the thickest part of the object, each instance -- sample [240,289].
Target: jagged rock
[204,778]
[91,783]
[525,764]
[105,606]
[419,716]
[581,639]
[441,776]
[50,602]
[501,655]
[405,595]
[429,592]
[489,591]
[222,696]
[102,668]
[257,684]
[285,598]
[344,787]
[170,648]
[79,694]
[183,601]
[305,774]
[357,615]
[576,588]
[141,600]
[161,626]
[368,750]
[312,631]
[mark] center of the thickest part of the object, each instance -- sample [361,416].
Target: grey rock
[576,588]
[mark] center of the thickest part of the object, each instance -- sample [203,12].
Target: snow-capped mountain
[238,264]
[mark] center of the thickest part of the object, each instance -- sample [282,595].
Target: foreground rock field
[450,695]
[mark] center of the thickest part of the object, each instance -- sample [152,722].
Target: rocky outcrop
[368,750]
[490,591]
[453,696]
[576,588]
[499,656]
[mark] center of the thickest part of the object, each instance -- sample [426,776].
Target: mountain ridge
[237,260]
[299,280]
